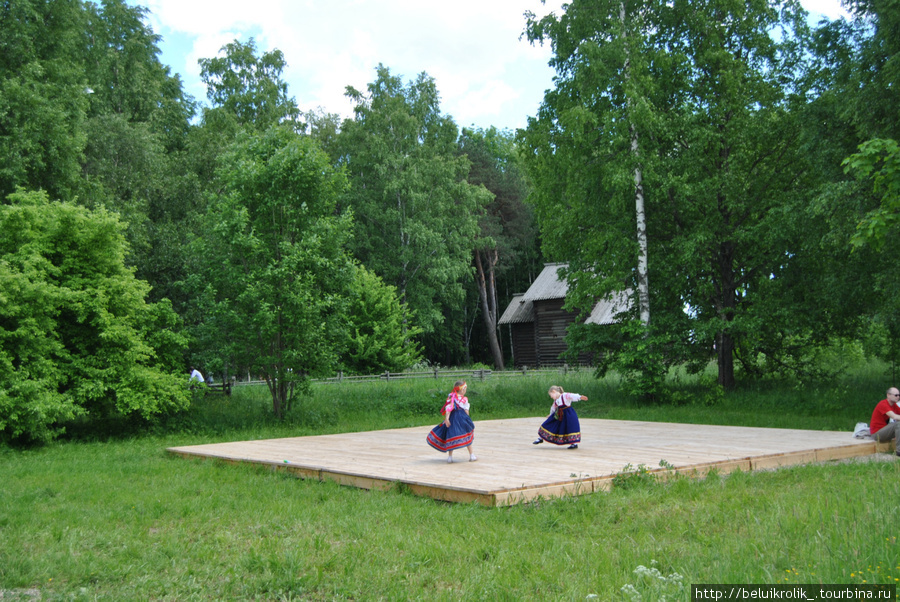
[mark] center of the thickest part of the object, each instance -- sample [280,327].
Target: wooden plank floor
[510,469]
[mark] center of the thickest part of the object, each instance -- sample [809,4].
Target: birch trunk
[643,282]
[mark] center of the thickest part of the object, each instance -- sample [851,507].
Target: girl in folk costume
[561,427]
[457,430]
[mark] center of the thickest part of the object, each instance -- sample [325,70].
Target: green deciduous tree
[43,95]
[125,76]
[845,289]
[274,267]
[711,88]
[879,161]
[870,208]
[508,234]
[247,93]
[865,67]
[249,88]
[77,337]
[416,215]
[379,335]
[135,161]
[591,154]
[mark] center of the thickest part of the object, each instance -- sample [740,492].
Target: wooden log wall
[524,350]
[550,324]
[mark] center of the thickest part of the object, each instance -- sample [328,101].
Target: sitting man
[196,377]
[879,427]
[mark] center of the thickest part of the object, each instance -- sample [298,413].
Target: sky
[486,73]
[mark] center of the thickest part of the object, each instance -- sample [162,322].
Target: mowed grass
[104,517]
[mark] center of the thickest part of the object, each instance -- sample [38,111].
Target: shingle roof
[549,286]
[605,311]
[519,311]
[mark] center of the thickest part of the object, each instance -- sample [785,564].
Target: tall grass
[836,405]
[116,518]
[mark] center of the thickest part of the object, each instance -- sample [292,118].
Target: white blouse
[566,399]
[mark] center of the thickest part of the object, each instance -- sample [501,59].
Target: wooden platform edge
[360,481]
[577,486]
[850,451]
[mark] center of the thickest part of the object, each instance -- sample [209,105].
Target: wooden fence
[434,374]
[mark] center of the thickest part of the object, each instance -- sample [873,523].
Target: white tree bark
[643,282]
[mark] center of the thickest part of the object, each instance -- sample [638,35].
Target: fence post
[435,372]
[387,375]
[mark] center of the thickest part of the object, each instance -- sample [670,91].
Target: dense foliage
[730,164]
[77,336]
[274,257]
[380,329]
[706,112]
[416,212]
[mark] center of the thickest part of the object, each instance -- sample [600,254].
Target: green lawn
[117,518]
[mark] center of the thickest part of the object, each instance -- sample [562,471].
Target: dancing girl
[561,427]
[457,430]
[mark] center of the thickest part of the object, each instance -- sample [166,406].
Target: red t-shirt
[879,418]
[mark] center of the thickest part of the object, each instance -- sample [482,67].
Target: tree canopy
[507,233]
[273,261]
[416,214]
[77,336]
[712,93]
[249,87]
[729,165]
[43,96]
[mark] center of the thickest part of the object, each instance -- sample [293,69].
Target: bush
[77,338]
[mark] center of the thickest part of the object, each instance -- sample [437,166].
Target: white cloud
[828,8]
[486,74]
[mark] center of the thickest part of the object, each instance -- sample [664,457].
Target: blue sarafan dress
[562,426]
[461,431]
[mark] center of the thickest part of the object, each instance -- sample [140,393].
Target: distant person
[196,377]
[885,423]
[562,426]
[457,430]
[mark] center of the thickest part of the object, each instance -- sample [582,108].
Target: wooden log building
[538,321]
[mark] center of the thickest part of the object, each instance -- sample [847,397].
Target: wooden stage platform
[511,470]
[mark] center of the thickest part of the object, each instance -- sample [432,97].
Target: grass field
[102,517]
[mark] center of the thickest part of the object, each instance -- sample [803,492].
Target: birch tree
[710,87]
